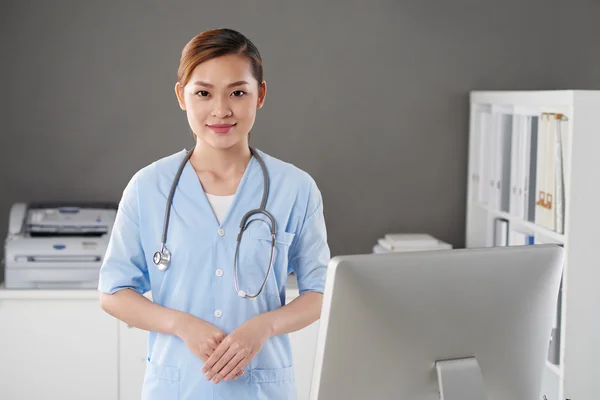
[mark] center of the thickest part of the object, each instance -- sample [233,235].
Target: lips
[221,128]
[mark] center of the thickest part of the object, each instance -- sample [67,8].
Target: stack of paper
[399,242]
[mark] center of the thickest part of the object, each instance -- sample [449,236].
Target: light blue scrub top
[199,279]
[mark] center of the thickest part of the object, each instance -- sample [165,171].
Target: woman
[218,321]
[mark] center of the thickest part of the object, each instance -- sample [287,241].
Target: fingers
[207,349]
[224,360]
[219,365]
[215,356]
[212,344]
[237,369]
[216,339]
[219,336]
[230,369]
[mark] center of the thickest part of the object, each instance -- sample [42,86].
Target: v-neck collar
[189,174]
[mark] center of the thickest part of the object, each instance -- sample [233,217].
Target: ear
[262,93]
[179,94]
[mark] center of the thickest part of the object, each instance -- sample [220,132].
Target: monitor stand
[460,379]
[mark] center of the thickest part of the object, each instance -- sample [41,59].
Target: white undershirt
[220,205]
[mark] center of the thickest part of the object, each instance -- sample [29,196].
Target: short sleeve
[124,265]
[310,252]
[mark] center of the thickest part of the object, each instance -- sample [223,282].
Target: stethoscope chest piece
[162,258]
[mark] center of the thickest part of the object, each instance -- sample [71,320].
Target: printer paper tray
[51,278]
[58,259]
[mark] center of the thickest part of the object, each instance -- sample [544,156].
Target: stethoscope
[162,258]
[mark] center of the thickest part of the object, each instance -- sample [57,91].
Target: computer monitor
[463,324]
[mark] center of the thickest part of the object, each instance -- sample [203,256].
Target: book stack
[400,242]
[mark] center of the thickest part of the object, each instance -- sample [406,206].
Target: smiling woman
[222,67]
[219,320]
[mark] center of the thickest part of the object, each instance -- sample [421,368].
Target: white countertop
[87,294]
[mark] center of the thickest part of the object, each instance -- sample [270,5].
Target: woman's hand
[200,337]
[236,350]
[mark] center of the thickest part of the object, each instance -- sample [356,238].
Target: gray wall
[371,98]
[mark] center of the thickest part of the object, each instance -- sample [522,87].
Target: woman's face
[221,99]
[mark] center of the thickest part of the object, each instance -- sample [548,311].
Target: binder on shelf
[522,165]
[501,229]
[486,181]
[561,141]
[515,168]
[544,191]
[504,161]
[551,185]
[489,182]
[531,163]
[519,173]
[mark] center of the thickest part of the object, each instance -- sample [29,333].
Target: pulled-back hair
[214,43]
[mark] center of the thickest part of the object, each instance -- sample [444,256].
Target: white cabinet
[61,345]
[56,348]
[304,346]
[132,361]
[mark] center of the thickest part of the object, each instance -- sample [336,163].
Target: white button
[219,272]
[218,313]
[221,232]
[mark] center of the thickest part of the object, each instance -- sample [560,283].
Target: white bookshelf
[576,373]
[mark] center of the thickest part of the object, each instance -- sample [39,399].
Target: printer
[57,246]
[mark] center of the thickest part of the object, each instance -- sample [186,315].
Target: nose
[221,109]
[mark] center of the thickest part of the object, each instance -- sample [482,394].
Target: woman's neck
[221,162]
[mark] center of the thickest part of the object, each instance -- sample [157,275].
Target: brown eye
[202,93]
[238,93]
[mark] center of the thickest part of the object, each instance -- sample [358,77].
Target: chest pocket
[255,255]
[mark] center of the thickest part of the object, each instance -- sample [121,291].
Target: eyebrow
[208,85]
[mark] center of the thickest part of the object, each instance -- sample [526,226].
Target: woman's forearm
[134,309]
[299,313]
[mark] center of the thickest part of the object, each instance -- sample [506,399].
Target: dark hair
[214,43]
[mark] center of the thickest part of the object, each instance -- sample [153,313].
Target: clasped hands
[225,356]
